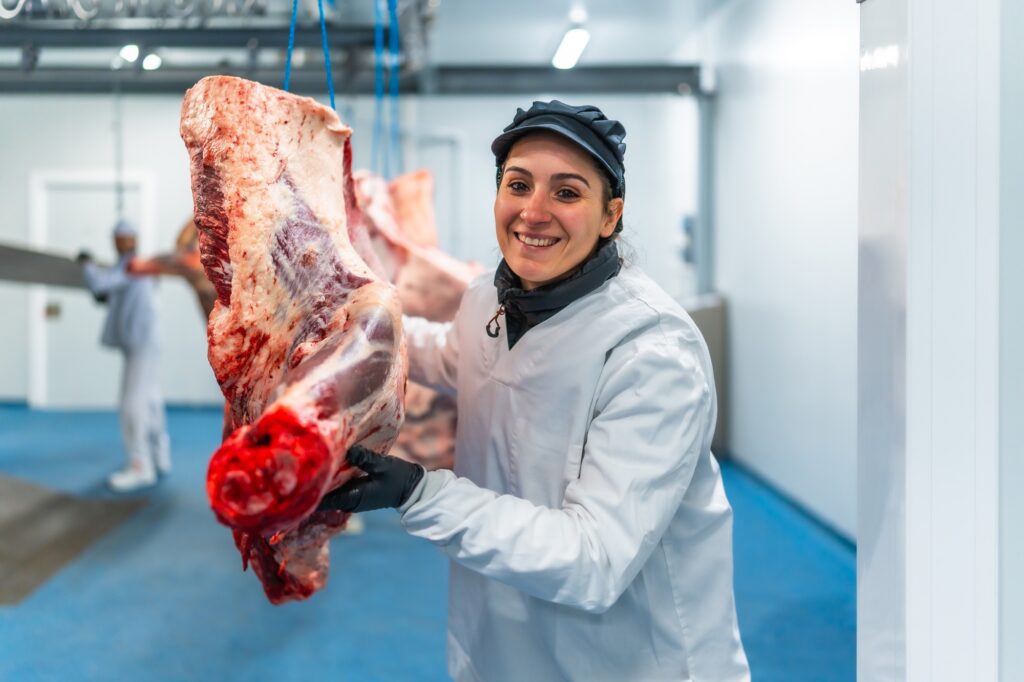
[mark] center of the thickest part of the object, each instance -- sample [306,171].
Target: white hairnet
[123,228]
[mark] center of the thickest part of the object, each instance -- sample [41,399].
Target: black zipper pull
[494,321]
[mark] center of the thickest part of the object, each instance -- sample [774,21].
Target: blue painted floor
[162,597]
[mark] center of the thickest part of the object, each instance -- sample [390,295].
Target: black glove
[389,482]
[83,257]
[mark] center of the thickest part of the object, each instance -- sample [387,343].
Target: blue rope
[395,71]
[378,50]
[291,45]
[291,49]
[327,52]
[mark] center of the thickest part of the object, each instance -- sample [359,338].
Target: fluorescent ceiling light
[130,53]
[152,62]
[573,43]
[578,14]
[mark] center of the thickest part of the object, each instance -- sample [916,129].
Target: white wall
[882,350]
[71,133]
[932,217]
[785,184]
[76,133]
[1011,360]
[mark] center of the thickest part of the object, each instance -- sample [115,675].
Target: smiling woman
[589,532]
[552,208]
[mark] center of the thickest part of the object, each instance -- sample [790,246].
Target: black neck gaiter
[524,309]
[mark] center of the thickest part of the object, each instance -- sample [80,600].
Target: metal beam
[704,235]
[498,80]
[444,80]
[145,32]
[78,81]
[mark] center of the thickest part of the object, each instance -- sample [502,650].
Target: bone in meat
[304,339]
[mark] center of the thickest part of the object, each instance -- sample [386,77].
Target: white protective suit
[589,532]
[130,327]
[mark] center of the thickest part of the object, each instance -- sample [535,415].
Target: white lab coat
[130,326]
[589,532]
[131,312]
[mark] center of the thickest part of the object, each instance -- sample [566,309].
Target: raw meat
[413,197]
[430,282]
[400,219]
[304,339]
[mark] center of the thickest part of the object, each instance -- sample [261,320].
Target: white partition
[929,291]
[785,240]
[1011,359]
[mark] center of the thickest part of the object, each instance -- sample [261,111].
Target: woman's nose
[535,212]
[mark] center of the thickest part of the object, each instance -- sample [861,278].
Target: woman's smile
[534,241]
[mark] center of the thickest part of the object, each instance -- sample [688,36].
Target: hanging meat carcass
[399,217]
[304,339]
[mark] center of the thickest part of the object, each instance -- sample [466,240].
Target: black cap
[586,125]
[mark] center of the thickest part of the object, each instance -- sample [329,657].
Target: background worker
[130,327]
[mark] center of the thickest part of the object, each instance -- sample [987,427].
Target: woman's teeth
[532,241]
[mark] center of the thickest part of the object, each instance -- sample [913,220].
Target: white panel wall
[76,134]
[785,183]
[72,133]
[882,299]
[932,217]
[1011,360]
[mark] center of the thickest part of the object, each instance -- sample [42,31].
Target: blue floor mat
[162,596]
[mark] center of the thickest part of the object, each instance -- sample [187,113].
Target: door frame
[41,184]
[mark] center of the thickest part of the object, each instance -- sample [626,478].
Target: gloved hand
[389,482]
[83,257]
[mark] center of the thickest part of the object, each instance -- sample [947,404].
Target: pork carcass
[399,217]
[305,341]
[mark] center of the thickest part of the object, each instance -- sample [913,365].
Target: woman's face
[550,208]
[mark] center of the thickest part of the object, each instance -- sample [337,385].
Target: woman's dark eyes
[519,186]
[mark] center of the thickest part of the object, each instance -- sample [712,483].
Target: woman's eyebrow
[570,176]
[556,176]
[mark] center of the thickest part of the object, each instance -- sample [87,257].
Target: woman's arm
[653,420]
[433,352]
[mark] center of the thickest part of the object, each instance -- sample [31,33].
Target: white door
[440,154]
[72,370]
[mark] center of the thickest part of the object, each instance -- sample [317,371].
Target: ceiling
[528,31]
[42,53]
